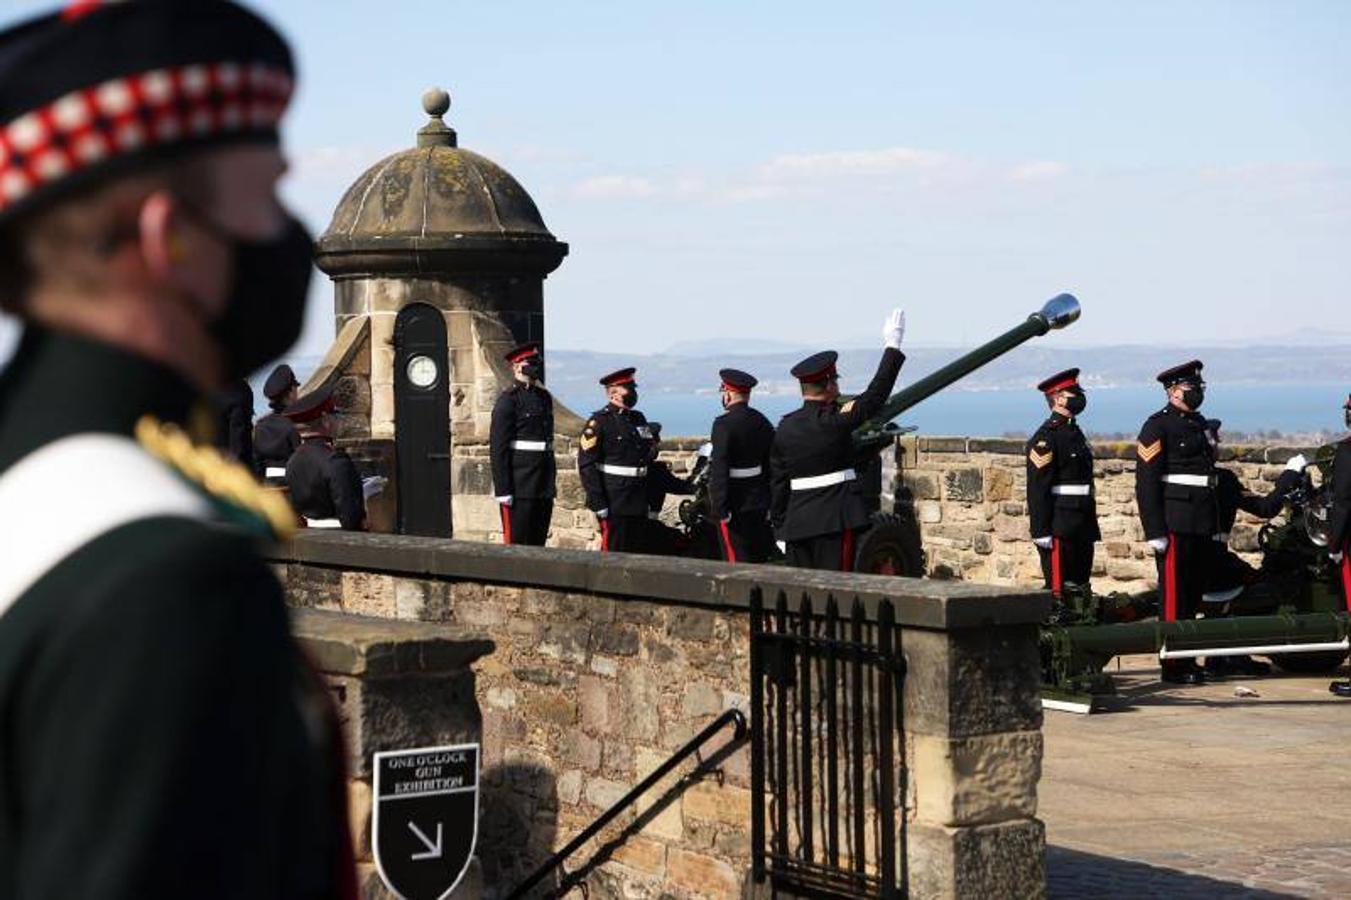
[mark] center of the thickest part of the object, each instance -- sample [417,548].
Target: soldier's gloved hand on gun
[1296,463]
[505,501]
[782,545]
[1044,542]
[1160,544]
[1336,557]
[893,330]
[603,513]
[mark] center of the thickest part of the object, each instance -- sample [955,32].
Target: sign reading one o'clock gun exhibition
[425,819]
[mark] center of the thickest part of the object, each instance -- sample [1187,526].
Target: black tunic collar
[59,384]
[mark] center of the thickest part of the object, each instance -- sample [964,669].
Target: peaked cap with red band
[736,381]
[1060,381]
[524,351]
[620,377]
[99,89]
[312,405]
[1188,371]
[817,367]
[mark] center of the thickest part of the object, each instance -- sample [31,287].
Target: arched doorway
[422,421]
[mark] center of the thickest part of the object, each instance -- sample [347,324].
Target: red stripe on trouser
[727,542]
[847,551]
[1346,573]
[1170,580]
[604,535]
[506,523]
[1056,581]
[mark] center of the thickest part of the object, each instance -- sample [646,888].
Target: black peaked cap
[279,382]
[1188,371]
[816,367]
[735,378]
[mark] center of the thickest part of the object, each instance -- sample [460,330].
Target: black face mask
[1076,403]
[630,399]
[533,371]
[1348,418]
[1193,397]
[266,307]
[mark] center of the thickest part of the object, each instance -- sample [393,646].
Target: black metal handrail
[731,716]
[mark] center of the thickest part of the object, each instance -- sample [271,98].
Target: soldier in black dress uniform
[321,479]
[274,436]
[162,735]
[1339,524]
[1175,494]
[738,473]
[521,443]
[817,506]
[662,539]
[612,456]
[1061,508]
[234,421]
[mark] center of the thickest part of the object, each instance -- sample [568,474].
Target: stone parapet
[605,664]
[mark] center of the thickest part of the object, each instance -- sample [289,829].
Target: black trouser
[623,534]
[1184,570]
[526,521]
[832,552]
[746,537]
[1069,561]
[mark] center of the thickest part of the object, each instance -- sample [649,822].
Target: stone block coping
[370,647]
[919,603]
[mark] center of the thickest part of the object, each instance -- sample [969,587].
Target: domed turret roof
[436,208]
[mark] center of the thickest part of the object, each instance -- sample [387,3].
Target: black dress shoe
[1246,665]
[1340,688]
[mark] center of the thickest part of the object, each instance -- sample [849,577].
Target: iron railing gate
[827,813]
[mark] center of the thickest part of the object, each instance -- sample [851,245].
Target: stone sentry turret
[438,258]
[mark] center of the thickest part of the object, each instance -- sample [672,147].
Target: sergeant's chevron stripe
[1147,452]
[1040,460]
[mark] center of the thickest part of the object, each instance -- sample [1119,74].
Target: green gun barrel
[1058,312]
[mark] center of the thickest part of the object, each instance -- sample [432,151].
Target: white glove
[783,547]
[893,330]
[1296,463]
[1044,542]
[1336,557]
[725,519]
[373,485]
[1160,545]
[603,513]
[505,501]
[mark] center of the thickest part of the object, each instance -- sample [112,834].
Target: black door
[422,421]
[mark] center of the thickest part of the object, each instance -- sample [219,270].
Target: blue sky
[789,171]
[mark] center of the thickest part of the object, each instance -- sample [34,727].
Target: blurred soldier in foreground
[521,444]
[1061,507]
[1228,574]
[162,736]
[817,506]
[322,481]
[738,473]
[662,539]
[275,437]
[1175,494]
[1339,524]
[612,457]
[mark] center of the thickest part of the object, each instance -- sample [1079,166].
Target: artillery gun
[891,546]
[1291,610]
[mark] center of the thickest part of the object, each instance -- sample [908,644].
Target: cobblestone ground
[1312,871]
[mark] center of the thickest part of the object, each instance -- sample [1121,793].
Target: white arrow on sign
[433,851]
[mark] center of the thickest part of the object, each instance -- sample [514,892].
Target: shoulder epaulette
[226,482]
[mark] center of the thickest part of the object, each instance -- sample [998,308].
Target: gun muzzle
[1060,311]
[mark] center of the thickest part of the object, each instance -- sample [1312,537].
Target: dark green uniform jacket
[159,734]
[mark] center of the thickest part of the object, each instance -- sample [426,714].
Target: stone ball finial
[436,101]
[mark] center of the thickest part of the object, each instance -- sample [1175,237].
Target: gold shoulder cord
[217,475]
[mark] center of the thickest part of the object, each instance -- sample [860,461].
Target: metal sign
[425,820]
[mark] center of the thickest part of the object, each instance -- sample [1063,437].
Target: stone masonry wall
[604,666]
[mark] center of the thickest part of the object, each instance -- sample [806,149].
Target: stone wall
[605,664]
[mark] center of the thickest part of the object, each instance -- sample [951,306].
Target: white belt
[274,472]
[1190,480]
[624,471]
[322,523]
[533,446]
[1072,490]
[749,472]
[820,481]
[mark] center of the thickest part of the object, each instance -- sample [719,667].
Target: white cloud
[1039,170]
[854,162]
[614,187]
